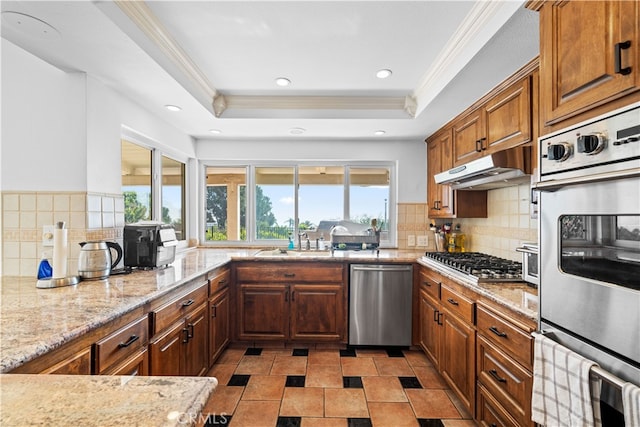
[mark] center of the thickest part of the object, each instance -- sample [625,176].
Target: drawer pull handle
[452,301]
[497,377]
[619,47]
[440,317]
[497,332]
[215,311]
[435,315]
[286,296]
[289,274]
[426,283]
[222,282]
[131,340]
[293,295]
[185,331]
[190,330]
[187,303]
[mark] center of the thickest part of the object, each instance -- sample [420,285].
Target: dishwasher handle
[381,267]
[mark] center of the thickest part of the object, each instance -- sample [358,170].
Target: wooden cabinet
[77,364]
[219,313]
[443,201]
[291,301]
[589,57]
[430,316]
[123,349]
[180,335]
[503,121]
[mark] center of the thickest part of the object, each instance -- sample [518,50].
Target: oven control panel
[606,143]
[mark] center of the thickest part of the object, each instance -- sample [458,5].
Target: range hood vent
[502,169]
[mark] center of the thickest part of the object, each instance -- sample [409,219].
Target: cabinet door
[138,364]
[195,354]
[430,316]
[77,364]
[317,312]
[439,159]
[218,324]
[166,350]
[508,117]
[578,55]
[469,137]
[457,364]
[264,312]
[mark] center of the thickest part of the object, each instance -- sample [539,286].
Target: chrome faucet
[300,240]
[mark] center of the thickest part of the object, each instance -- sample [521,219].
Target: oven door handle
[605,176]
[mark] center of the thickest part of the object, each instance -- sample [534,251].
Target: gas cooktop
[476,266]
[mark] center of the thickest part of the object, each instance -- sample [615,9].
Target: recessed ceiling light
[172,107]
[215,131]
[297,131]
[283,81]
[379,132]
[29,25]
[383,74]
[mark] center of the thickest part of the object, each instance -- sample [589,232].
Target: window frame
[250,167]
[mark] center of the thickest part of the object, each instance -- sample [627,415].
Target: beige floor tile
[255,365]
[323,422]
[256,413]
[345,403]
[289,365]
[358,367]
[323,357]
[265,387]
[383,389]
[428,403]
[301,402]
[429,377]
[223,401]
[222,372]
[394,366]
[324,376]
[416,358]
[384,414]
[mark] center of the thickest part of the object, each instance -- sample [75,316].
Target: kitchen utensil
[95,259]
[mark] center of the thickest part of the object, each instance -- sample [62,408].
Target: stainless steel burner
[477,266]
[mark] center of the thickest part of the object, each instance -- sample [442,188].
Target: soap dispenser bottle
[291,246]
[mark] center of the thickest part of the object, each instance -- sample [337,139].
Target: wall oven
[589,240]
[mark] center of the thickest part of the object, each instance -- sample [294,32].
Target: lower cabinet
[181,348]
[124,352]
[77,364]
[218,324]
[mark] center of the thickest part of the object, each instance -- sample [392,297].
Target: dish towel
[631,405]
[563,392]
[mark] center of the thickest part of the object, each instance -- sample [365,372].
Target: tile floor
[307,387]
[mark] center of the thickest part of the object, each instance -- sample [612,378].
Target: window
[143,199]
[275,202]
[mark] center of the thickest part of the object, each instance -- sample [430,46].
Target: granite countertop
[368,255]
[516,296]
[82,400]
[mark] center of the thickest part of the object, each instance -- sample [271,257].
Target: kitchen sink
[282,253]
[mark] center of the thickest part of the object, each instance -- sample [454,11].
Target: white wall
[409,155]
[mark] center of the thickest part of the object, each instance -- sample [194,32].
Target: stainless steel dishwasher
[380,304]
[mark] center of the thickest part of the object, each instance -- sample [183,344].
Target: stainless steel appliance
[530,263]
[589,236]
[475,267]
[380,304]
[149,244]
[95,260]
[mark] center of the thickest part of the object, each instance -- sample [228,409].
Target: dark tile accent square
[238,380]
[300,352]
[395,352]
[352,382]
[295,381]
[349,352]
[253,351]
[431,422]
[217,420]
[289,421]
[359,422]
[410,382]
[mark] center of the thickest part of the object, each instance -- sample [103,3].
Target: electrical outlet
[423,240]
[47,235]
[411,240]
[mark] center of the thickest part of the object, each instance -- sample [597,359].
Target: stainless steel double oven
[589,239]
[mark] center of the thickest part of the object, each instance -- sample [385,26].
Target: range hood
[502,169]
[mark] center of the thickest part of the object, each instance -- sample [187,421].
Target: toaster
[149,244]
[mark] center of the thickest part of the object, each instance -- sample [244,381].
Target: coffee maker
[149,244]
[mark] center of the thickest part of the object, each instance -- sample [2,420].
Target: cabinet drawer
[490,413]
[430,282]
[507,337]
[220,280]
[298,272]
[169,313]
[457,304]
[121,344]
[507,381]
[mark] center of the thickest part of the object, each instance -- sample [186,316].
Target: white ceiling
[444,55]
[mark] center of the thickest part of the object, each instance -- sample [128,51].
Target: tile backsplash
[88,216]
[507,226]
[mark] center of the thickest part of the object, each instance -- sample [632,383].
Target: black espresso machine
[149,244]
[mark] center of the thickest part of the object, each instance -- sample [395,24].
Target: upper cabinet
[504,121]
[589,58]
